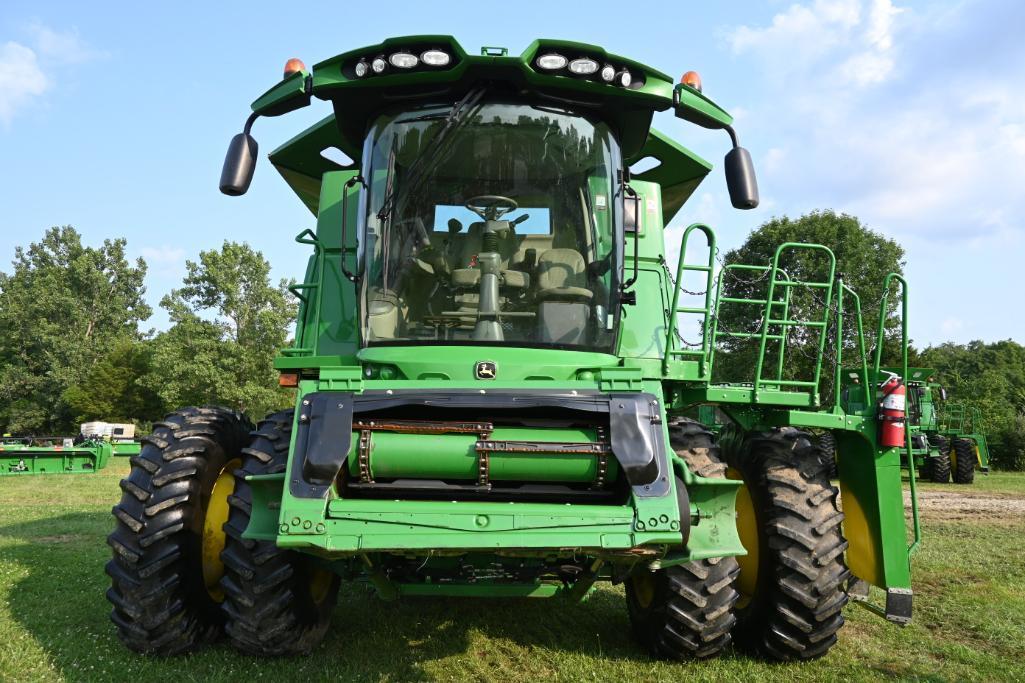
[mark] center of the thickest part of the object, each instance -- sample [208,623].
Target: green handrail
[720,300]
[880,337]
[681,268]
[299,347]
[789,284]
[843,288]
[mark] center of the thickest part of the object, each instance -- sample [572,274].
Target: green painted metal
[334,350]
[126,448]
[52,455]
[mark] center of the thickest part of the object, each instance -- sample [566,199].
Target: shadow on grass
[60,603]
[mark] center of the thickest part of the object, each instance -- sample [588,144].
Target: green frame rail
[876,368]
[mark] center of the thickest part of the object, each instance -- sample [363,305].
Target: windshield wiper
[428,158]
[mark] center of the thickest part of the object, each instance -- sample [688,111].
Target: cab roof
[357,101]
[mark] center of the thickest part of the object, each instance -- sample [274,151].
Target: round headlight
[378,65]
[583,67]
[624,78]
[435,58]
[551,62]
[361,69]
[403,60]
[608,72]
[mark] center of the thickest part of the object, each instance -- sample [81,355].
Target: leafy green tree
[62,309]
[229,322]
[991,378]
[112,389]
[863,258]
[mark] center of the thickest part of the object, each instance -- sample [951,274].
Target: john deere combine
[491,384]
[947,441]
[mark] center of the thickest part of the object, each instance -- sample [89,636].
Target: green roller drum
[457,456]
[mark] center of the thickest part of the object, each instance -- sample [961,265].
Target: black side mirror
[239,164]
[740,179]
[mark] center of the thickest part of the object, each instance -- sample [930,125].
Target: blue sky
[114,118]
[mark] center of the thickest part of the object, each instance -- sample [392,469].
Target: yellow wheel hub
[747,529]
[644,588]
[213,529]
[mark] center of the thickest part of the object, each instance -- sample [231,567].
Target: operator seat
[562,276]
[564,300]
[465,274]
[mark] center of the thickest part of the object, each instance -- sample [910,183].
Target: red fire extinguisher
[893,395]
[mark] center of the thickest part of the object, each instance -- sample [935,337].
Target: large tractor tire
[686,611]
[940,467]
[827,444]
[929,472]
[791,582]
[168,535]
[963,461]
[278,602]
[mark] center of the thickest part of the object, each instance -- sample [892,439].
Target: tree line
[72,350]
[71,347]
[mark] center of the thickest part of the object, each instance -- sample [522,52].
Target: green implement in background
[45,455]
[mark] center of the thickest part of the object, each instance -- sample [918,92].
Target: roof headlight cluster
[583,66]
[402,60]
[587,67]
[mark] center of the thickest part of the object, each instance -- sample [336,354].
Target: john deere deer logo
[485,369]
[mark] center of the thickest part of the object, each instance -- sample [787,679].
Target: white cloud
[164,261]
[62,47]
[26,71]
[21,79]
[163,254]
[805,39]
[880,117]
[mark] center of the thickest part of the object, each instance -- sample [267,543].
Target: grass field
[969,621]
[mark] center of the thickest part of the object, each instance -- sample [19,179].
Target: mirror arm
[249,123]
[733,136]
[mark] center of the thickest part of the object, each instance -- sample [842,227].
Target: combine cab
[493,398]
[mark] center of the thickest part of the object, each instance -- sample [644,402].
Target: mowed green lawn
[969,619]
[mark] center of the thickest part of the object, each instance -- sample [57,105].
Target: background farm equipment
[120,435]
[51,455]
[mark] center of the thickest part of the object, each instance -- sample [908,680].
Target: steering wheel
[491,207]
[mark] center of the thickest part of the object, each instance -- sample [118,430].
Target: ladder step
[731,300]
[798,323]
[749,335]
[703,269]
[789,382]
[706,311]
[798,283]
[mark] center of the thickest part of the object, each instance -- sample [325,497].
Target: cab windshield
[490,223]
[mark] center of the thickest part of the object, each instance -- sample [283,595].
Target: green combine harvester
[947,442]
[492,393]
[51,455]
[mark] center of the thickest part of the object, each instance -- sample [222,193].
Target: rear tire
[827,444]
[278,602]
[686,611]
[964,461]
[940,468]
[162,602]
[792,609]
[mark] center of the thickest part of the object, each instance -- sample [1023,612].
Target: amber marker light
[294,66]
[288,379]
[691,79]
